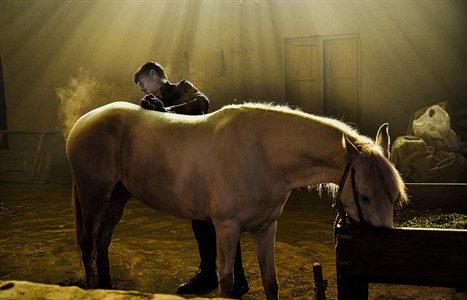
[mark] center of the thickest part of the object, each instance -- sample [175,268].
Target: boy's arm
[197,106]
[197,103]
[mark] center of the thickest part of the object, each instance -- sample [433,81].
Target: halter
[341,214]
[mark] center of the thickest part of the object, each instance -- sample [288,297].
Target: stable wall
[412,52]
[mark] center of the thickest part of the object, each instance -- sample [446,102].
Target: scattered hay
[430,219]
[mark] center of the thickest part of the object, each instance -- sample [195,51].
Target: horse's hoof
[239,290]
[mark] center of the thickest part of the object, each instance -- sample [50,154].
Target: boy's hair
[147,67]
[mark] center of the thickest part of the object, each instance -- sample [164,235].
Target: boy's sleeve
[196,102]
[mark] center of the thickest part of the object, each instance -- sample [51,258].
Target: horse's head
[373,186]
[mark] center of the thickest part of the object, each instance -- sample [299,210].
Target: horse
[236,166]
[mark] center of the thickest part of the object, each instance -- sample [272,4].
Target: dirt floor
[153,252]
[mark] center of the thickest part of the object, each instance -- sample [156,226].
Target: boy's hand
[152,102]
[145,104]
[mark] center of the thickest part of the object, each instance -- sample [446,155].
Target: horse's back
[111,120]
[116,111]
[126,126]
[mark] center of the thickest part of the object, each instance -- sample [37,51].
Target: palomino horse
[235,167]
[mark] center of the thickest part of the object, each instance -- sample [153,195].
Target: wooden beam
[434,257]
[3,112]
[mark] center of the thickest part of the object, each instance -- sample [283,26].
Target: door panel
[306,94]
[304,75]
[341,78]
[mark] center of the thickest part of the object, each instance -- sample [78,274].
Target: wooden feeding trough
[431,257]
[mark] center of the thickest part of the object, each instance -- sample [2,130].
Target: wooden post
[320,284]
[37,155]
[3,114]
[350,288]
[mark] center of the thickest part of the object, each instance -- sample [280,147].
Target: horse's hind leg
[92,211]
[264,239]
[112,216]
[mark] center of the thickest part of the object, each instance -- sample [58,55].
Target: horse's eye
[366,199]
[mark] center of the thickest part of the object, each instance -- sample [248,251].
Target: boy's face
[149,83]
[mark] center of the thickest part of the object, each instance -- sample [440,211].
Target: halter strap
[341,214]
[338,201]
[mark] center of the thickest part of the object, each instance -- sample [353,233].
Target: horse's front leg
[227,236]
[264,239]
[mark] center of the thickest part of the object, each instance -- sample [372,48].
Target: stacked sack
[434,153]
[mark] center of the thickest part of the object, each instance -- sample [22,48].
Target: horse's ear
[383,139]
[352,151]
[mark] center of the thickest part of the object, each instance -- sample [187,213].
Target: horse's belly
[176,211]
[163,197]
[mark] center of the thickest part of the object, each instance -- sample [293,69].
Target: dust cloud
[83,93]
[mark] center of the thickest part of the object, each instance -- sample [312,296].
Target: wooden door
[304,74]
[322,75]
[341,78]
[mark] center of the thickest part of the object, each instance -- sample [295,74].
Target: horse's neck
[310,155]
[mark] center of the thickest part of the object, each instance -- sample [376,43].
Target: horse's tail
[78,226]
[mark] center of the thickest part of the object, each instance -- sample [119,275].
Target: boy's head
[150,77]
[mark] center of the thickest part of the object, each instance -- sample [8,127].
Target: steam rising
[82,94]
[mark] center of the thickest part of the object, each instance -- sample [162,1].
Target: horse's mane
[387,172]
[284,111]
[380,169]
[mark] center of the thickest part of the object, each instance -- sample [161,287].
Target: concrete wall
[413,52]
